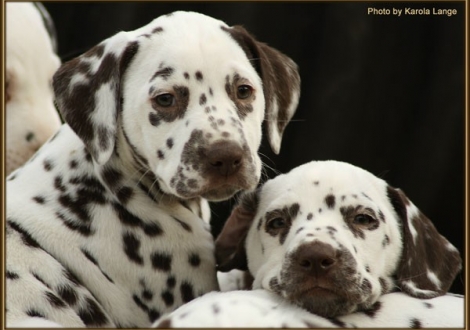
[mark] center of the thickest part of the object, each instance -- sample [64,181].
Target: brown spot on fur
[330,201]
[164,73]
[202,99]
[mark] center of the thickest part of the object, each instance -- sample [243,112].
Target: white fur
[261,308]
[35,322]
[30,64]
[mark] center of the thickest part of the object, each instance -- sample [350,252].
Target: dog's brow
[165,73]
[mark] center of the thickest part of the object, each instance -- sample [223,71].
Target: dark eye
[363,220]
[165,100]
[244,91]
[277,223]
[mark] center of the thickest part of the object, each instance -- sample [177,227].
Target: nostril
[217,164]
[237,162]
[305,264]
[326,263]
[220,163]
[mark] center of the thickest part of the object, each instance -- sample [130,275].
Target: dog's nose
[316,258]
[224,157]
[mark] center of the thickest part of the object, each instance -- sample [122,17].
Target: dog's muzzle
[322,279]
[215,171]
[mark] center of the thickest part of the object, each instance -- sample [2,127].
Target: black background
[382,92]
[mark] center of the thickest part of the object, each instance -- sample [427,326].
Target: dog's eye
[244,91]
[277,223]
[363,220]
[165,100]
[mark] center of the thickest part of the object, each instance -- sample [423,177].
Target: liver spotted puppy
[331,239]
[107,225]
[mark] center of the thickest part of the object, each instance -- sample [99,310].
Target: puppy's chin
[220,194]
[325,304]
[214,195]
[216,191]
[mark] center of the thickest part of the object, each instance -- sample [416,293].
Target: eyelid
[161,91]
[274,214]
[368,211]
[244,82]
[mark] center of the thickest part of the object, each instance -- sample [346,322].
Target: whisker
[131,176]
[411,277]
[265,167]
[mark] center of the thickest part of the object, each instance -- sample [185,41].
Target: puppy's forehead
[309,182]
[188,30]
[187,41]
[187,18]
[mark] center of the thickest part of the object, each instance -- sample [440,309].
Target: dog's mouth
[212,189]
[318,291]
[220,193]
[312,290]
[221,190]
[328,293]
[322,301]
[215,188]
[330,306]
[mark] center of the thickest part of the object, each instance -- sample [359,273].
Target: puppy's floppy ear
[230,244]
[281,83]
[88,93]
[429,263]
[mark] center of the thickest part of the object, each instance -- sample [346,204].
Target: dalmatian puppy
[107,225]
[332,238]
[327,245]
[31,61]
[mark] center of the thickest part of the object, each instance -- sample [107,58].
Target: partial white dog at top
[329,244]
[31,61]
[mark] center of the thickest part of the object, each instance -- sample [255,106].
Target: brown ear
[88,93]
[429,262]
[281,83]
[230,244]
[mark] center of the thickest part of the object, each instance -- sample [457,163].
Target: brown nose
[315,258]
[224,157]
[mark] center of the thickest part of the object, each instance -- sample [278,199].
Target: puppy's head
[187,96]
[31,117]
[332,238]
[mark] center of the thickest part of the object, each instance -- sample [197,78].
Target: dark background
[385,93]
